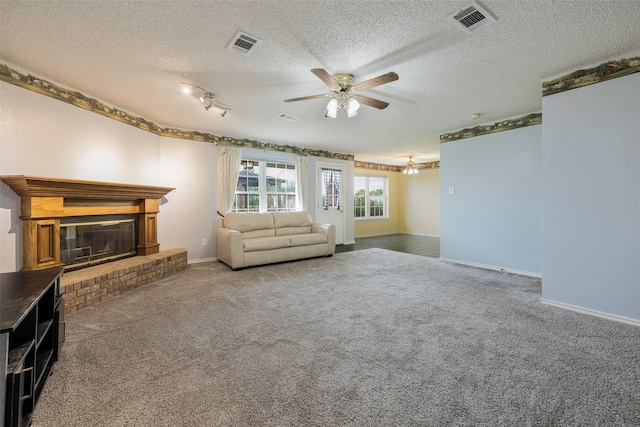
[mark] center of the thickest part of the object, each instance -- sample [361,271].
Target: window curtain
[331,181]
[302,181]
[228,166]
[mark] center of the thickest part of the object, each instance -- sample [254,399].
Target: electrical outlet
[452,190]
[204,242]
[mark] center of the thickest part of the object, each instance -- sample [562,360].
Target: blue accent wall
[494,217]
[591,196]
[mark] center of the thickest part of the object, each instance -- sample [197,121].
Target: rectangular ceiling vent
[473,18]
[243,43]
[287,117]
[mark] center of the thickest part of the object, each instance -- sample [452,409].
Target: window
[281,187]
[370,197]
[331,188]
[265,186]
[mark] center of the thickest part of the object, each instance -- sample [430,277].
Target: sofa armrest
[229,247]
[330,231]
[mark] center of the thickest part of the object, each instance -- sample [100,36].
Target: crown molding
[78,99]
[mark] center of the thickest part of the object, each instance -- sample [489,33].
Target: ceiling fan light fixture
[344,92]
[352,108]
[332,108]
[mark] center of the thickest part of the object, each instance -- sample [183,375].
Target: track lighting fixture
[205,97]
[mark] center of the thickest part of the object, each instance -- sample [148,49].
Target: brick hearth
[88,286]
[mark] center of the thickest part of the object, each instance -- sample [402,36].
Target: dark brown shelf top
[19,291]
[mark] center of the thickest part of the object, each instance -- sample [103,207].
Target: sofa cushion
[308,239]
[269,232]
[248,221]
[285,231]
[265,243]
[291,219]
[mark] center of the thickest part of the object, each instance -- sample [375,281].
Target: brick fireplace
[67,220]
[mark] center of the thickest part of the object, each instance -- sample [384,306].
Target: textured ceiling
[134,54]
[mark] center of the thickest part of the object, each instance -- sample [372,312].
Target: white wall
[52,138]
[191,167]
[591,197]
[41,136]
[494,217]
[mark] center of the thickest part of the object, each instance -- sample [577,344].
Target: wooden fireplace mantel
[44,201]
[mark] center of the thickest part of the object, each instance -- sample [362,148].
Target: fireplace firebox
[78,223]
[86,241]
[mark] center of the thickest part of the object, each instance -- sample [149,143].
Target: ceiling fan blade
[322,74]
[304,98]
[376,81]
[376,103]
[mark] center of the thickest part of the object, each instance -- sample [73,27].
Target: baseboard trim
[422,234]
[362,236]
[493,267]
[198,261]
[395,232]
[350,242]
[596,313]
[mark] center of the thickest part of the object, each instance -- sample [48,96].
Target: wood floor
[409,243]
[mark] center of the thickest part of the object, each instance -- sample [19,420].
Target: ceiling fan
[345,95]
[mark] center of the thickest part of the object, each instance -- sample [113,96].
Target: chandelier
[410,168]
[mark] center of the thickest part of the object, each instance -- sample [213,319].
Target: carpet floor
[364,338]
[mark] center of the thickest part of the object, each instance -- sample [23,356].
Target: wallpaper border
[606,71]
[486,129]
[78,99]
[391,168]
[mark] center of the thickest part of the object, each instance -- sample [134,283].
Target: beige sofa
[247,239]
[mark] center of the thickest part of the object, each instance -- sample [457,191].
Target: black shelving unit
[31,330]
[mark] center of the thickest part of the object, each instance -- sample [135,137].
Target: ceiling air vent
[287,117]
[473,18]
[243,43]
